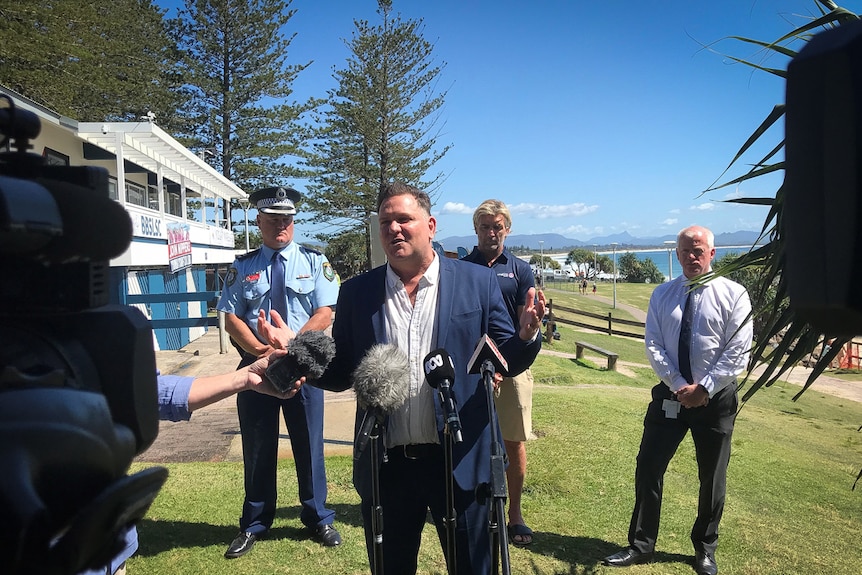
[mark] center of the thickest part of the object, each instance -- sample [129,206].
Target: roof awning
[148,146]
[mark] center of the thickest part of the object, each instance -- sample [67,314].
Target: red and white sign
[179,247]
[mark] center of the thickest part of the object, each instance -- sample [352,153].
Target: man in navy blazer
[421,302]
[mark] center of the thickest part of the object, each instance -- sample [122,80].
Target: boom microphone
[440,373]
[486,350]
[308,354]
[380,381]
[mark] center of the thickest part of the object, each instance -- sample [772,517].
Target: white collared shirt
[721,332]
[412,327]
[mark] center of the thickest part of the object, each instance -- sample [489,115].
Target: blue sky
[586,118]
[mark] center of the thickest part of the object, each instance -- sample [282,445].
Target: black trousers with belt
[711,430]
[412,483]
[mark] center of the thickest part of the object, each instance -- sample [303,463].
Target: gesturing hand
[530,321]
[276,333]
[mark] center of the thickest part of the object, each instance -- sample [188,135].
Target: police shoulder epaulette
[248,254]
[311,250]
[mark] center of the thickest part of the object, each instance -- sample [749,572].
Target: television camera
[78,397]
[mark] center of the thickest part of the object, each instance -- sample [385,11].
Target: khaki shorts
[514,404]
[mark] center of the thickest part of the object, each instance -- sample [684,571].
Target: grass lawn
[847,374]
[636,295]
[629,349]
[790,508]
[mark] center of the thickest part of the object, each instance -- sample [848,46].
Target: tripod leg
[500,506]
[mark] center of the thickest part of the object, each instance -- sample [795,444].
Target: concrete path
[212,434]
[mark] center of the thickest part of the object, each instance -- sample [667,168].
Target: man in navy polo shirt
[492,223]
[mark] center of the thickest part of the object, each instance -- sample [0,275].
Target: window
[112,188]
[55,158]
[173,205]
[153,197]
[136,194]
[194,206]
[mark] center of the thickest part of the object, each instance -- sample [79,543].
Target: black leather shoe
[626,557]
[704,564]
[328,536]
[241,545]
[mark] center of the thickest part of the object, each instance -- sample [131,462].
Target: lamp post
[542,264]
[245,204]
[595,259]
[614,244]
[669,243]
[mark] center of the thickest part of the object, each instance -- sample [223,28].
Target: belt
[415,450]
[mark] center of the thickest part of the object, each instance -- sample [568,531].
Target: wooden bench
[612,357]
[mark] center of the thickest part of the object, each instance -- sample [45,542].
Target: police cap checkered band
[277,200]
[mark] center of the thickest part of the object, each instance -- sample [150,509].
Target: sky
[586,118]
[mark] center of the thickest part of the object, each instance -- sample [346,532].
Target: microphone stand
[496,490]
[376,507]
[451,518]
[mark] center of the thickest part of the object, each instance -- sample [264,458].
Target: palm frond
[770,120]
[752,201]
[783,50]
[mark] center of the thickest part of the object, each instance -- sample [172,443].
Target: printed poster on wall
[179,247]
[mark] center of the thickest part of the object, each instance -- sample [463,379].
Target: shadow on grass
[583,554]
[158,536]
[587,364]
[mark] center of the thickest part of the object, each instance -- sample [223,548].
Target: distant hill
[558,243]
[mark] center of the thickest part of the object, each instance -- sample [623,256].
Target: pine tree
[381,124]
[235,61]
[92,61]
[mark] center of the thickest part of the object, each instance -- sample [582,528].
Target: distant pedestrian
[594,288]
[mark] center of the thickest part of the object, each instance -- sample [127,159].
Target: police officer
[300,284]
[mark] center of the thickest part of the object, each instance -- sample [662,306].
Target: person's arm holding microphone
[179,396]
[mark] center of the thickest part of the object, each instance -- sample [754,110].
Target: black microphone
[486,350]
[381,382]
[440,373]
[308,354]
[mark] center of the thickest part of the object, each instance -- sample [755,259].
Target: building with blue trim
[182,244]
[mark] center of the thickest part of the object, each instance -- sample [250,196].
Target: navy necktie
[685,340]
[277,292]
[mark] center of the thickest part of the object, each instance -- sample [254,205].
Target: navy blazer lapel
[377,299]
[445,293]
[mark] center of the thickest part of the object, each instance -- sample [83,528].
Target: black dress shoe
[704,564]
[241,544]
[328,536]
[626,557]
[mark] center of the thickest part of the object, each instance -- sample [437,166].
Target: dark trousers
[258,421]
[711,430]
[409,488]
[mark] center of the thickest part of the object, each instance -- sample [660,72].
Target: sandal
[520,535]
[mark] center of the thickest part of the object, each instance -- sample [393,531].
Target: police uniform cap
[277,200]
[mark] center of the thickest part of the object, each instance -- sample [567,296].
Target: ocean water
[659,257]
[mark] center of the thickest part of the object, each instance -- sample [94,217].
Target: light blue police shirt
[309,281]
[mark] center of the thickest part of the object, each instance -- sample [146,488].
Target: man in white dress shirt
[697,341]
